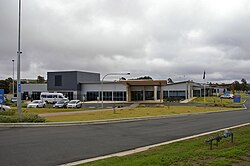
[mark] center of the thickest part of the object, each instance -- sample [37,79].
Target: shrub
[14,117]
[31,117]
[7,113]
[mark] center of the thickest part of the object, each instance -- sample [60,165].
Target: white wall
[175,87]
[106,87]
[33,88]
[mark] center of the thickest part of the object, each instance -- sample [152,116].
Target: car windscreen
[72,102]
[60,102]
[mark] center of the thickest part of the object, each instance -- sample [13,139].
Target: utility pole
[13,82]
[18,61]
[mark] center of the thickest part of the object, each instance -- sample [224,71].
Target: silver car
[36,104]
[61,104]
[74,104]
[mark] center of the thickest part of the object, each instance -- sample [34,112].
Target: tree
[6,85]
[243,84]
[122,78]
[40,79]
[170,81]
[237,85]
[145,78]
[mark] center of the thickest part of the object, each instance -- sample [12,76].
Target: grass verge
[216,101]
[15,117]
[135,112]
[51,110]
[190,152]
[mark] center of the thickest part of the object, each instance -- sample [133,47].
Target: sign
[1,96]
[19,87]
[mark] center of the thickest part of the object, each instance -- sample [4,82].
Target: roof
[144,82]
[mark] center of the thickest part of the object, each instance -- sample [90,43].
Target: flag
[204,75]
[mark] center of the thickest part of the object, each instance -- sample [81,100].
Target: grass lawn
[135,112]
[190,152]
[51,110]
[218,102]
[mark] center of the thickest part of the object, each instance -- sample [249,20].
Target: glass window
[58,80]
[119,96]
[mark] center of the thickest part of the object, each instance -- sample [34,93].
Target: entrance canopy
[144,82]
[141,90]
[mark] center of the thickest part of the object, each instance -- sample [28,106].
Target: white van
[51,97]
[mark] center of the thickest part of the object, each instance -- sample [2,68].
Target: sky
[163,39]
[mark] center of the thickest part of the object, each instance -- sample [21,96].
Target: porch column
[128,93]
[161,93]
[155,93]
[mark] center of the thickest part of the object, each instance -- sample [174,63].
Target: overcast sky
[164,38]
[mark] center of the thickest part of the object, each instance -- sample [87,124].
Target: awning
[144,82]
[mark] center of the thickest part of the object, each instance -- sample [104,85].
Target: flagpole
[205,92]
[204,77]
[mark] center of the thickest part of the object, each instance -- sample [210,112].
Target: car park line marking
[141,149]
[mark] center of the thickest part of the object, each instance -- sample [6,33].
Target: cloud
[162,39]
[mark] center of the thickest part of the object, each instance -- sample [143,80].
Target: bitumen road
[58,145]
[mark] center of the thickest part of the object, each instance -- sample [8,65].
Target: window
[165,94]
[107,96]
[92,96]
[58,80]
[36,95]
[119,96]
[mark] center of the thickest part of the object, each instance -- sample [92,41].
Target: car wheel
[3,109]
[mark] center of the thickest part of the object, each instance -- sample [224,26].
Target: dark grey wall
[87,77]
[71,80]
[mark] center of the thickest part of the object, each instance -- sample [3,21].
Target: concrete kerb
[124,120]
[141,149]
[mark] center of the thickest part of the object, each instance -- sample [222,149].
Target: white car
[36,104]
[74,104]
[4,108]
[227,96]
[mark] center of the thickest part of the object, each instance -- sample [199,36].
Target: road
[58,145]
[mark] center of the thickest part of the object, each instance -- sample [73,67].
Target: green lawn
[190,152]
[218,102]
[51,110]
[135,112]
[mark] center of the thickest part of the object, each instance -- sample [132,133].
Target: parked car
[74,104]
[227,96]
[4,108]
[61,104]
[36,104]
[14,99]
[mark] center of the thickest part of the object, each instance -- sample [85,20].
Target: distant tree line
[243,86]
[7,84]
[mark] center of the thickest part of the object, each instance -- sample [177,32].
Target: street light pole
[13,82]
[18,61]
[113,75]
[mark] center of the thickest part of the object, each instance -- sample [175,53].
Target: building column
[189,90]
[161,93]
[143,94]
[155,93]
[186,91]
[128,95]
